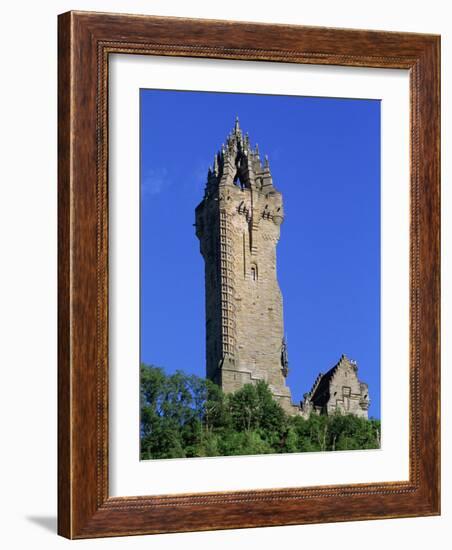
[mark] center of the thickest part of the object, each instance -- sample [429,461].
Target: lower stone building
[338,390]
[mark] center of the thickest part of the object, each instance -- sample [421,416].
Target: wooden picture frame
[85,42]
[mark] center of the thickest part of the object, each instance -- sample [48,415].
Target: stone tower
[238,225]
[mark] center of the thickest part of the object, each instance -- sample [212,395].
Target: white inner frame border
[128,476]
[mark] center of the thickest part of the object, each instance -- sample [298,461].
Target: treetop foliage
[185,415]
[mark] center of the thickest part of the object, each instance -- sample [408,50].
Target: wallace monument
[238,224]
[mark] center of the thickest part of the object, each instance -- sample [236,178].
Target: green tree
[187,416]
[172,409]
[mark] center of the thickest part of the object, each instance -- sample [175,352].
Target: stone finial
[237,125]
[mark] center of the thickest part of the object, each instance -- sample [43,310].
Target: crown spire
[237,125]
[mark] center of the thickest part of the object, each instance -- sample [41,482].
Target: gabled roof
[320,391]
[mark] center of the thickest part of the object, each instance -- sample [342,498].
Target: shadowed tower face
[238,225]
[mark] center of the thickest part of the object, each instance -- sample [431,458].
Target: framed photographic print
[248,274]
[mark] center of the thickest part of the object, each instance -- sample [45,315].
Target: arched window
[254,272]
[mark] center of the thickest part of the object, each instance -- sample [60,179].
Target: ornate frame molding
[85,42]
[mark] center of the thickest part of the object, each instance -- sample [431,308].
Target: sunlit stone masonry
[238,225]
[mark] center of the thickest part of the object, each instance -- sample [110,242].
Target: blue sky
[324,157]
